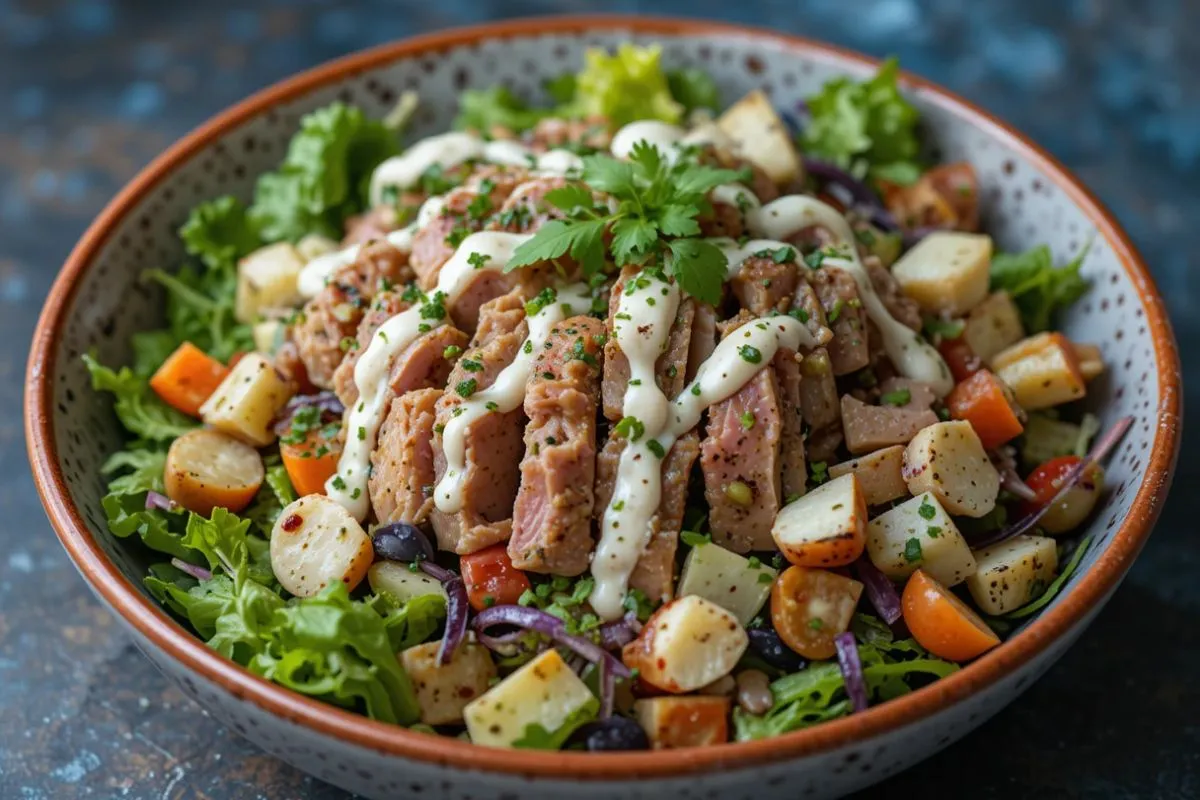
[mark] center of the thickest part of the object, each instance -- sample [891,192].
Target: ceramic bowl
[1028,198]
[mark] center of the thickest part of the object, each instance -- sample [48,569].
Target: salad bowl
[1026,197]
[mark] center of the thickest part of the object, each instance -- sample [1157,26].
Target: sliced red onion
[456,610]
[880,590]
[860,193]
[1101,449]
[620,632]
[539,621]
[199,573]
[327,402]
[852,671]
[157,500]
[914,235]
[608,688]
[879,217]
[1011,482]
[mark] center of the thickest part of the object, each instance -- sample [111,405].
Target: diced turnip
[1042,370]
[693,721]
[267,279]
[826,527]
[688,643]
[1013,573]
[316,542]
[544,692]
[731,581]
[946,272]
[880,474]
[246,402]
[761,137]
[948,460]
[993,325]
[444,690]
[919,533]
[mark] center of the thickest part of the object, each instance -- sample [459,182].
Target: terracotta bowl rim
[160,629]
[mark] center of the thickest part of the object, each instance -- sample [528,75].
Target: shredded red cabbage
[608,688]
[620,632]
[1099,451]
[859,192]
[880,590]
[456,610]
[552,627]
[852,671]
[160,501]
[199,573]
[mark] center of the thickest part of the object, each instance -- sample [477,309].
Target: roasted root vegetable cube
[545,693]
[206,469]
[246,402]
[1042,371]
[444,690]
[401,582]
[880,474]
[919,534]
[760,137]
[316,542]
[694,721]
[948,460]
[810,607]
[267,279]
[688,643]
[993,325]
[1091,363]
[268,335]
[946,272]
[1013,573]
[313,245]
[733,582]
[826,527]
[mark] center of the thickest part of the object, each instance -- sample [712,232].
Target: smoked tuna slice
[402,471]
[838,292]
[793,471]
[551,530]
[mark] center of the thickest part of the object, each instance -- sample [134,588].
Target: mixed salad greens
[773,601]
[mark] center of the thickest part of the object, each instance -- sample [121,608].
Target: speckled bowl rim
[154,623]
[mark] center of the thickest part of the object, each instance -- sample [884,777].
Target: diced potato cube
[727,579]
[246,402]
[268,334]
[1091,363]
[947,271]
[1013,573]
[443,691]
[880,474]
[948,459]
[824,528]
[760,137]
[688,643]
[313,245]
[919,534]
[401,582]
[1042,371]
[544,692]
[267,279]
[315,543]
[693,721]
[993,325]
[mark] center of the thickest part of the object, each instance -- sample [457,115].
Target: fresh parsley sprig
[651,218]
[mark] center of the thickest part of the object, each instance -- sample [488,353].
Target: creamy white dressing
[505,394]
[913,356]
[736,195]
[625,529]
[662,135]
[348,485]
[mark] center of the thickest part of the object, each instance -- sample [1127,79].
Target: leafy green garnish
[657,205]
[627,86]
[945,328]
[485,109]
[141,467]
[136,406]
[1056,585]
[694,88]
[694,539]
[1036,286]
[200,310]
[220,232]
[324,177]
[536,737]
[899,397]
[866,128]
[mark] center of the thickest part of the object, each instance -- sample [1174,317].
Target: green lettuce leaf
[276,492]
[136,406]
[867,127]
[536,737]
[627,86]
[201,603]
[151,349]
[325,176]
[225,542]
[1036,286]
[220,232]
[200,310]
[485,109]
[411,623]
[694,88]
[127,515]
[140,468]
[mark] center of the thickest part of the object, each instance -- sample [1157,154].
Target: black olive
[399,541]
[771,649]
[614,733]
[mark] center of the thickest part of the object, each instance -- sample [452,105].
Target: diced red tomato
[984,401]
[1078,502]
[491,579]
[960,358]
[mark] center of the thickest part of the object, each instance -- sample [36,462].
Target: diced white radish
[401,582]
[206,469]
[731,581]
[686,644]
[880,474]
[946,272]
[444,690]
[267,279]
[1013,573]
[826,527]
[246,402]
[919,533]
[693,721]
[1042,371]
[948,459]
[761,137]
[316,542]
[993,325]
[545,692]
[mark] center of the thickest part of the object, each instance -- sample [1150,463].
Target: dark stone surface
[90,90]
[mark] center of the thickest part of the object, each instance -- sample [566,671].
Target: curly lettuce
[1038,288]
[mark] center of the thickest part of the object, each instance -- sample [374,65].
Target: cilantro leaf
[867,127]
[607,174]
[632,239]
[570,198]
[699,267]
[678,220]
[1036,286]
[136,406]
[583,240]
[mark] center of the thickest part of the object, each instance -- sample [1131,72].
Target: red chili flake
[292,522]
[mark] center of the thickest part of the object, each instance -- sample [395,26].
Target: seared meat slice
[902,307]
[554,132]
[763,285]
[654,574]
[465,210]
[334,314]
[385,306]
[552,518]
[808,309]
[838,292]
[670,368]
[402,473]
[494,443]
[792,467]
[740,462]
[819,405]
[725,219]
[873,427]
[704,339]
[526,209]
[374,224]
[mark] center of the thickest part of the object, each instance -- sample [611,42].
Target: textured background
[90,90]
